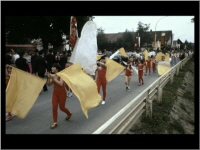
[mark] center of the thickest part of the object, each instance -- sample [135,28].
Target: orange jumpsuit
[140,72]
[154,65]
[59,98]
[101,81]
[128,73]
[148,66]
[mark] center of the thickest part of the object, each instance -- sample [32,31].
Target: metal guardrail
[141,103]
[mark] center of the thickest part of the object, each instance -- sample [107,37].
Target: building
[112,37]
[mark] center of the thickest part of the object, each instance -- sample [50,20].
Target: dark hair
[41,52]
[21,53]
[57,66]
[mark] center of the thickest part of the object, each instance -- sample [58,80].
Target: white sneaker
[103,102]
[69,94]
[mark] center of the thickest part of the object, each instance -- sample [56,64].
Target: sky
[181,26]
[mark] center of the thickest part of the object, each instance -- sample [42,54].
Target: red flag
[136,43]
[73,32]
[163,39]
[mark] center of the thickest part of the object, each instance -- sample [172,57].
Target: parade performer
[153,64]
[148,65]
[140,72]
[128,75]
[100,78]
[131,59]
[59,94]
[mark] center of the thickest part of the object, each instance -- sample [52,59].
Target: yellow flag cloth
[122,52]
[99,56]
[83,86]
[163,67]
[146,54]
[22,92]
[113,69]
[159,57]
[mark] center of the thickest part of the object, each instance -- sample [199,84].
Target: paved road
[39,118]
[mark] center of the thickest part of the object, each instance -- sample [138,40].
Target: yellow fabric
[146,54]
[82,85]
[159,57]
[167,57]
[99,56]
[22,92]
[113,69]
[162,69]
[122,52]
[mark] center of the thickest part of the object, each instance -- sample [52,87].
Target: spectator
[9,56]
[14,56]
[22,63]
[50,58]
[63,60]
[41,66]
[33,57]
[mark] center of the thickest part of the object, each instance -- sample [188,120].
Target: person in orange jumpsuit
[140,72]
[148,65]
[153,60]
[128,75]
[100,78]
[59,94]
[131,60]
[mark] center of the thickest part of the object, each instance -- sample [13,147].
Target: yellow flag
[146,54]
[113,69]
[122,52]
[22,92]
[159,57]
[163,67]
[99,56]
[83,86]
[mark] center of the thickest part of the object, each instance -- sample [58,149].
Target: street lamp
[155,30]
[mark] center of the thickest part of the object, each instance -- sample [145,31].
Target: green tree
[126,41]
[145,36]
[49,28]
[102,40]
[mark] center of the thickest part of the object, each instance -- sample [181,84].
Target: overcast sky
[181,26]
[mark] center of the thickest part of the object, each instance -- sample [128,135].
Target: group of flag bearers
[87,72]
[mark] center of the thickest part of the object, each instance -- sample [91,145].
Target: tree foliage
[102,40]
[50,29]
[145,36]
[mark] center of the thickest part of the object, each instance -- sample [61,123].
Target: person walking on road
[153,60]
[148,65]
[140,72]
[59,94]
[128,75]
[100,78]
